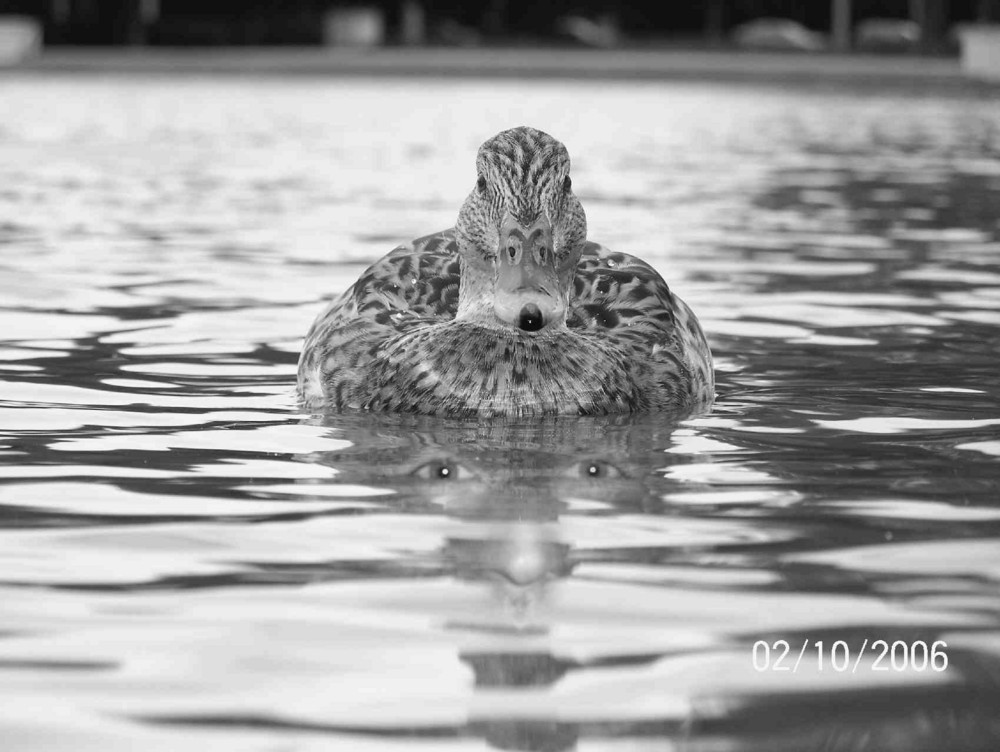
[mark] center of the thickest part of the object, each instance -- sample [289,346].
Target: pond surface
[187,562]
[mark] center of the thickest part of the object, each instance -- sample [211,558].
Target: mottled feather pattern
[391,342]
[523,157]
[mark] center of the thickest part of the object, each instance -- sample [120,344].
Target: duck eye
[481,184]
[441,470]
[567,184]
[597,469]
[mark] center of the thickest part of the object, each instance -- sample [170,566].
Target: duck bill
[528,290]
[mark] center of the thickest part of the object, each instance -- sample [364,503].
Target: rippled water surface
[187,562]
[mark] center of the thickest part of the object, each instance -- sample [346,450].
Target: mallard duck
[511,312]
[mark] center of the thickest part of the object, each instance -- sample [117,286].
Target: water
[187,562]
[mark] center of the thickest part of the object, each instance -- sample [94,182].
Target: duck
[512,312]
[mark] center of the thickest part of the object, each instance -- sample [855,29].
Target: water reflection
[515,492]
[488,469]
[508,482]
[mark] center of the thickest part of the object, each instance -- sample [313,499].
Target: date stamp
[840,656]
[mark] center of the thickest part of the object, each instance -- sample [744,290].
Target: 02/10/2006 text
[841,656]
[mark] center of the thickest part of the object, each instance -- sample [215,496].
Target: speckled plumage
[402,338]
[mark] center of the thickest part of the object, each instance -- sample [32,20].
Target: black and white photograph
[537,376]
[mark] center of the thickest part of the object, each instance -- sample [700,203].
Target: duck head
[520,234]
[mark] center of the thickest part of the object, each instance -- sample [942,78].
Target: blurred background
[929,26]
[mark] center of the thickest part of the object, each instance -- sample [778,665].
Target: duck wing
[417,279]
[413,286]
[617,291]
[622,298]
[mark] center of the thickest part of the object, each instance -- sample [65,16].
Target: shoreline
[779,68]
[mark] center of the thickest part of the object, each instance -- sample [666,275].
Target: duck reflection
[500,469]
[505,484]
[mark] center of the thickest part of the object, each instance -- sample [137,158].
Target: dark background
[272,22]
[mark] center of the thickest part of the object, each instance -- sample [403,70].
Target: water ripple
[189,562]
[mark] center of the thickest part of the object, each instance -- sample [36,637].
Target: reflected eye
[481,184]
[567,184]
[442,470]
[598,469]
